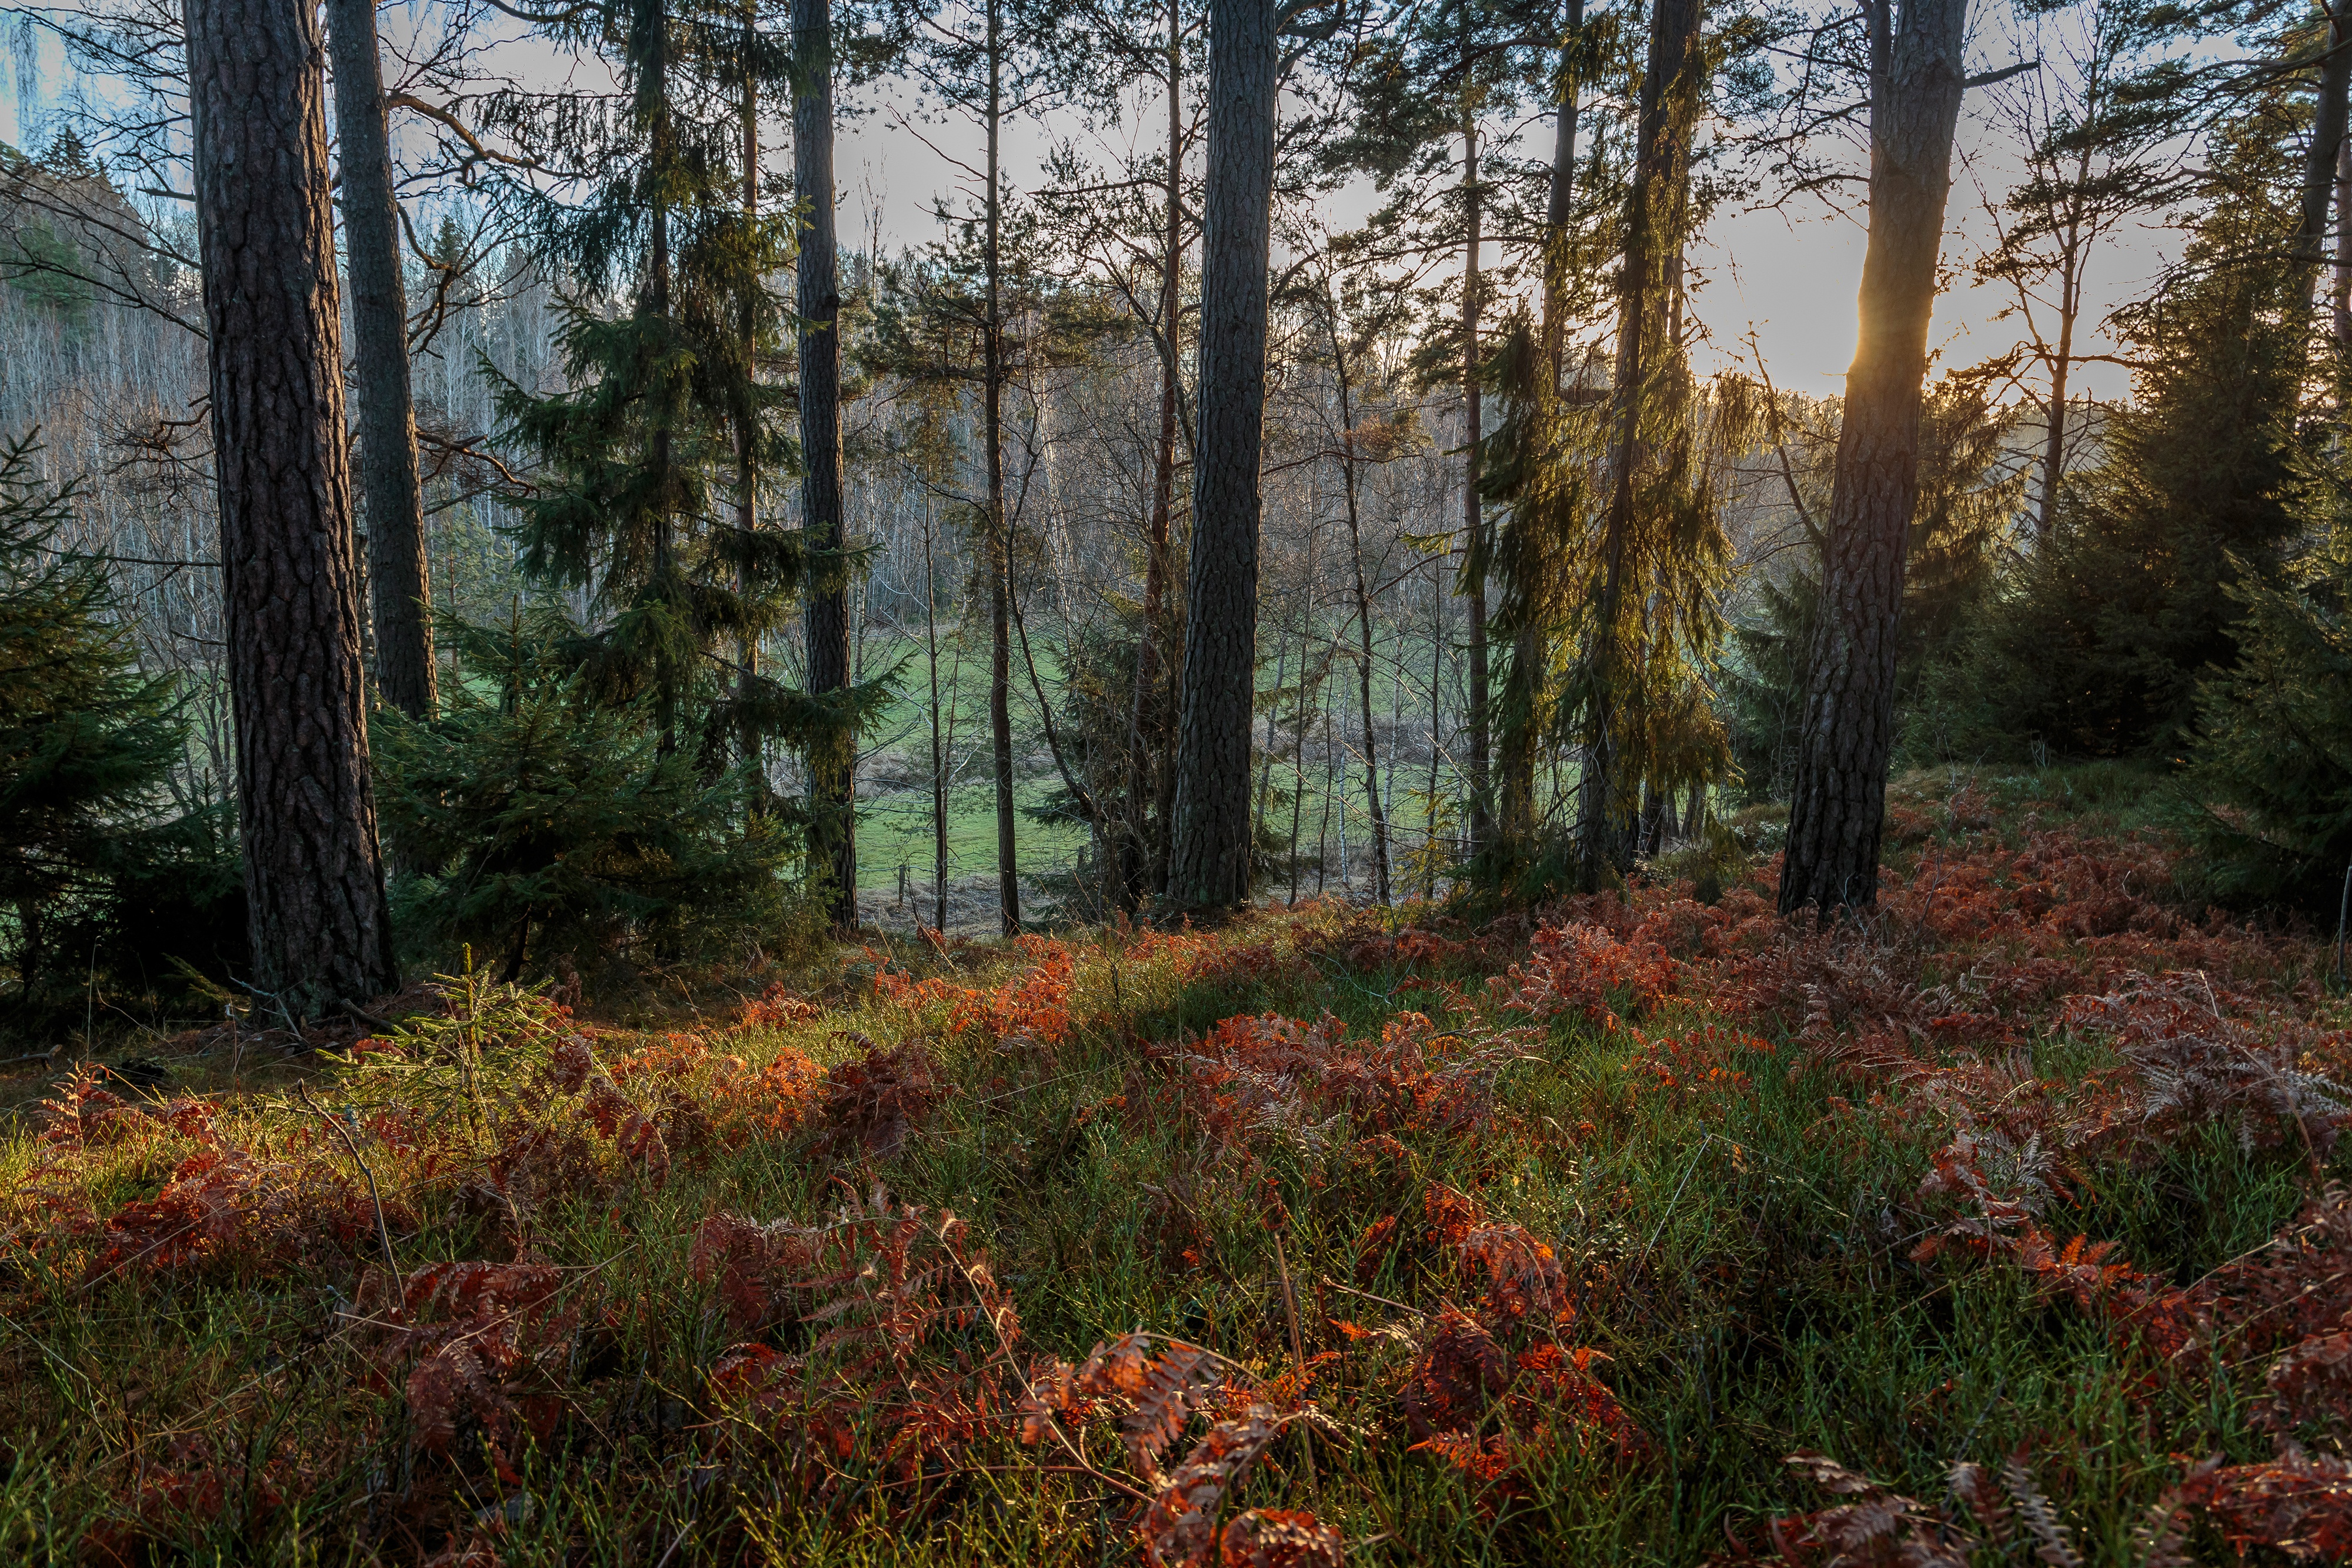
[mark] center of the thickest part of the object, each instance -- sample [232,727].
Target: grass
[204,1358]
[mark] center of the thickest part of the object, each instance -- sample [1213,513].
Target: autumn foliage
[1636,1220]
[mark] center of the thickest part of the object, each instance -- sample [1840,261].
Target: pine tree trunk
[1143,865]
[399,588]
[747,740]
[833,772]
[1000,545]
[1523,683]
[1846,737]
[1363,608]
[1210,856]
[320,929]
[1605,799]
[1474,512]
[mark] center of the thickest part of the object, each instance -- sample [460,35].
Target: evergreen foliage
[92,852]
[2099,644]
[2270,769]
[638,453]
[537,816]
[1968,495]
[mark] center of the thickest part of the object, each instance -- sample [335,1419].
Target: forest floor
[2004,1229]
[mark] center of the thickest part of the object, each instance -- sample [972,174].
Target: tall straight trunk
[1436,742]
[321,931]
[1604,798]
[1000,547]
[1523,683]
[1838,802]
[1363,601]
[1265,763]
[2325,150]
[2339,291]
[1474,512]
[833,770]
[2071,258]
[399,586]
[1146,725]
[938,747]
[1210,867]
[747,436]
[661,154]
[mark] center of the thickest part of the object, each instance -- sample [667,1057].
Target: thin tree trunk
[660,158]
[1474,512]
[2339,293]
[1838,803]
[1523,683]
[399,586]
[832,765]
[747,440]
[1211,859]
[1265,763]
[1147,727]
[2324,152]
[1000,549]
[321,931]
[1603,807]
[939,746]
[1363,602]
[1436,747]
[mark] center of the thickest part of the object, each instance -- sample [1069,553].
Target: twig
[383,1232]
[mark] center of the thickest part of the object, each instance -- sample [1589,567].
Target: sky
[1787,277]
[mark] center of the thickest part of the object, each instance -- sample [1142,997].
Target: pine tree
[87,741]
[1968,491]
[2098,645]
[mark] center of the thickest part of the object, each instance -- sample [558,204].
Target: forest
[1216,783]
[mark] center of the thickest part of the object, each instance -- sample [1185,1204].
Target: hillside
[2004,1229]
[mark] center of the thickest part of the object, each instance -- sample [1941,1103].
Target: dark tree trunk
[306,808]
[748,739]
[1523,683]
[1838,801]
[832,772]
[1141,863]
[1000,544]
[1343,374]
[1211,859]
[2327,126]
[1605,799]
[399,588]
[1474,513]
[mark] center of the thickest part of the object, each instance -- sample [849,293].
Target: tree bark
[1210,868]
[1363,602]
[1141,866]
[748,739]
[1474,512]
[2339,291]
[1523,683]
[1604,799]
[320,929]
[1000,545]
[1838,803]
[399,587]
[832,773]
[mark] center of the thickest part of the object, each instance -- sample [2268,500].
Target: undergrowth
[2004,1229]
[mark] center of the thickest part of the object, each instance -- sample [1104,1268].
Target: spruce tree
[87,741]
[666,421]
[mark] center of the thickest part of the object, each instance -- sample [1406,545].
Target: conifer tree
[666,411]
[87,741]
[306,807]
